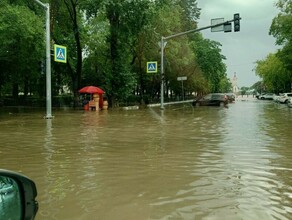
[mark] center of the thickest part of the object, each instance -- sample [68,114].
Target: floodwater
[180,163]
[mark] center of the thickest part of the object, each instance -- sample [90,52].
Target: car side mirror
[17,196]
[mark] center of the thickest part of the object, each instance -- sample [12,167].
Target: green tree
[22,43]
[190,14]
[67,28]
[96,50]
[282,24]
[176,17]
[281,29]
[209,58]
[225,85]
[258,86]
[121,80]
[109,43]
[244,90]
[273,73]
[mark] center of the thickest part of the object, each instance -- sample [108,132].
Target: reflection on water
[180,163]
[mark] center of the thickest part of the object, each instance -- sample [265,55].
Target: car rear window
[217,96]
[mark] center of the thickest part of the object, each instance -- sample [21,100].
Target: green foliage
[225,85]
[273,73]
[67,29]
[190,14]
[282,24]
[276,69]
[258,86]
[285,55]
[109,43]
[22,43]
[209,58]
[179,59]
[244,90]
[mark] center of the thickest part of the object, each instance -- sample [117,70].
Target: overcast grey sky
[252,43]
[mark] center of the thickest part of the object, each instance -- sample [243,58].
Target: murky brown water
[181,163]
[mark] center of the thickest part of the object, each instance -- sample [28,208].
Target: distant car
[284,97]
[230,97]
[212,99]
[267,96]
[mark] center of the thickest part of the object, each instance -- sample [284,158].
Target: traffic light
[236,19]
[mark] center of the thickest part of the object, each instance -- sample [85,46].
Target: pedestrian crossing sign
[60,53]
[152,67]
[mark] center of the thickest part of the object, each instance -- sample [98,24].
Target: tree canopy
[21,45]
[276,69]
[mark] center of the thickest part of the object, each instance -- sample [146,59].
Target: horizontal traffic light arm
[198,29]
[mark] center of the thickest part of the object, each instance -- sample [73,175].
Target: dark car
[230,97]
[212,99]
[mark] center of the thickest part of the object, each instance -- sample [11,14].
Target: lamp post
[162,74]
[48,62]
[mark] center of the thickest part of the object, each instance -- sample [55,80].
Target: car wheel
[221,104]
[197,104]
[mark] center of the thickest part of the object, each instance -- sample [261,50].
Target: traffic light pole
[48,62]
[163,39]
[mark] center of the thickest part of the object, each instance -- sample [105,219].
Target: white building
[235,88]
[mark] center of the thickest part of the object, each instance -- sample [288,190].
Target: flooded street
[180,163]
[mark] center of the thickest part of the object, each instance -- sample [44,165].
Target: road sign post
[182,79]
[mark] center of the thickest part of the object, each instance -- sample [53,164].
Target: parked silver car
[276,98]
[267,96]
[284,97]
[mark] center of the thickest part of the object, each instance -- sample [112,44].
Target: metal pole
[42,4]
[48,62]
[162,74]
[48,65]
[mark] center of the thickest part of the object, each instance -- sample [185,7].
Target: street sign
[227,27]
[182,78]
[60,53]
[217,21]
[152,67]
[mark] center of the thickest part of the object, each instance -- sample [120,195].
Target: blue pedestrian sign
[152,67]
[60,53]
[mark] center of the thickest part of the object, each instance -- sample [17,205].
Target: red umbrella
[91,90]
